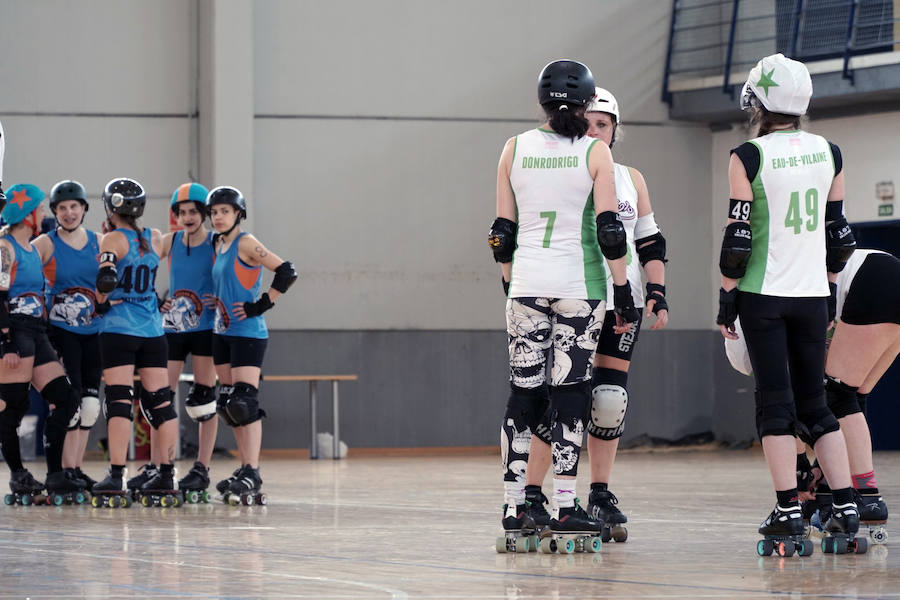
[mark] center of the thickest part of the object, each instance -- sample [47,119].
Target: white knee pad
[608,405]
[90,411]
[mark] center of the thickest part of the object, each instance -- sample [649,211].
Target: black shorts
[30,335]
[874,294]
[118,349]
[198,343]
[618,345]
[80,354]
[239,351]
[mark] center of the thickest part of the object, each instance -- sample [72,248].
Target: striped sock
[865,480]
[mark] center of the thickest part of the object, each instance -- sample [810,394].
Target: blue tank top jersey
[235,281]
[138,313]
[71,275]
[190,279]
[26,282]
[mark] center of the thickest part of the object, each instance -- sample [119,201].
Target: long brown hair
[131,222]
[566,119]
[764,122]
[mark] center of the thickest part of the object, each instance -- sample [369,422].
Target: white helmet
[605,102]
[779,84]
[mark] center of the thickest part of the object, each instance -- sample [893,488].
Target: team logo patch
[74,307]
[185,312]
[626,210]
[223,320]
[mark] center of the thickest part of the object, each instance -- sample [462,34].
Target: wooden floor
[407,527]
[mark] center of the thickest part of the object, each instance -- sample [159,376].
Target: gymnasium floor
[424,527]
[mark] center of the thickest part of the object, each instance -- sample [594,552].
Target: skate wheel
[533,541]
[233,500]
[95,502]
[192,497]
[806,548]
[785,548]
[145,500]
[567,546]
[205,497]
[56,500]
[166,501]
[500,545]
[246,499]
[126,502]
[9,499]
[112,502]
[764,547]
[80,498]
[27,499]
[593,545]
[860,545]
[840,545]
[522,545]
[547,546]
[879,535]
[619,534]
[262,500]
[605,534]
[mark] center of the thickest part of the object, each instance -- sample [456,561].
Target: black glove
[625,303]
[8,345]
[832,302]
[727,307]
[505,286]
[101,308]
[656,291]
[254,309]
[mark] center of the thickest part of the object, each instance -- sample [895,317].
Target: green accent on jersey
[515,145]
[752,280]
[550,215]
[594,272]
[765,81]
[552,162]
[587,157]
[545,130]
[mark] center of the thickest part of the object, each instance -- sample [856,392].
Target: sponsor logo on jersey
[626,211]
[551,162]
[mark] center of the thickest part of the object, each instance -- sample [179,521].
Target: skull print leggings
[535,326]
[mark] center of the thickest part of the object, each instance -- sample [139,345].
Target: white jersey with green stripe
[557,254]
[788,216]
[626,193]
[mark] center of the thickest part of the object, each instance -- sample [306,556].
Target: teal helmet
[24,200]
[189,192]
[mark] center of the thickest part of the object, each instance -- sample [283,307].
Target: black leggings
[80,355]
[786,342]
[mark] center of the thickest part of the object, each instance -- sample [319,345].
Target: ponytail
[567,119]
[131,222]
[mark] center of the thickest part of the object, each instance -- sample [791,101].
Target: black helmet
[565,81]
[67,190]
[225,194]
[124,197]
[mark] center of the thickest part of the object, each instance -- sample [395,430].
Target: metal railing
[715,38]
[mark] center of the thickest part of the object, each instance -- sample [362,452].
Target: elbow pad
[736,248]
[651,248]
[502,239]
[611,235]
[285,276]
[839,244]
[107,279]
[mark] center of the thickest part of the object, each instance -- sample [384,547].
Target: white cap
[604,101]
[780,84]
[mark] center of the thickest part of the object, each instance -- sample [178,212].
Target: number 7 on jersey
[550,215]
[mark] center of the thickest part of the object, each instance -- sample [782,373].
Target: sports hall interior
[365,137]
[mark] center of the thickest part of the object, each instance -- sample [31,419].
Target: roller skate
[145,474]
[245,488]
[160,490]
[64,488]
[573,530]
[783,533]
[26,490]
[111,492]
[602,507]
[873,513]
[222,486]
[519,532]
[88,480]
[194,484]
[535,502]
[840,531]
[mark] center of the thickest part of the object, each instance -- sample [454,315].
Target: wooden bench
[313,401]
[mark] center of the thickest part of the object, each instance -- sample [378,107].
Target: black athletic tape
[109,257]
[739,210]
[834,210]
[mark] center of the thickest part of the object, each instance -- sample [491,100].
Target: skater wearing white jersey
[647,250]
[786,238]
[556,220]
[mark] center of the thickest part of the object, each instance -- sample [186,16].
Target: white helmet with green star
[779,84]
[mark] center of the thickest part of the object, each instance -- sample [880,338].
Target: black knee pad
[225,392]
[526,406]
[17,404]
[841,397]
[814,422]
[861,400]
[66,402]
[113,407]
[243,405]
[151,406]
[609,402]
[201,403]
[775,413]
[570,404]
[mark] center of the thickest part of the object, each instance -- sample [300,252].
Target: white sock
[515,493]
[564,492]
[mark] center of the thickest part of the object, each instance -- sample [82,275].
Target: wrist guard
[727,307]
[656,291]
[8,344]
[101,308]
[254,309]
[624,303]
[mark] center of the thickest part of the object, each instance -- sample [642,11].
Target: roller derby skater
[548,311]
[28,359]
[69,254]
[188,316]
[783,304]
[784,533]
[240,333]
[26,490]
[132,335]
